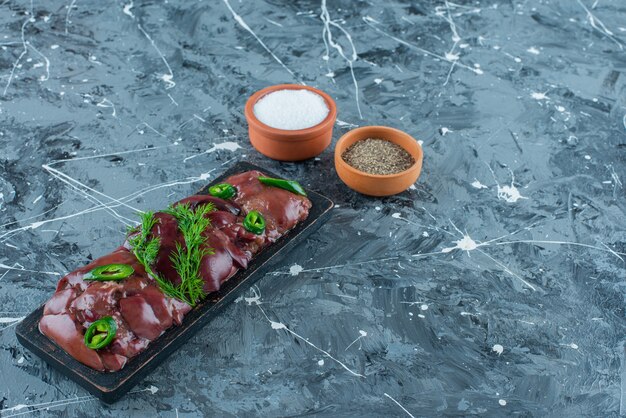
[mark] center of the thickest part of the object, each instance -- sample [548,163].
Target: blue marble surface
[495,286]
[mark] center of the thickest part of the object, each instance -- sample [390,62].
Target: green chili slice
[254,222]
[290,185]
[110,272]
[223,190]
[101,333]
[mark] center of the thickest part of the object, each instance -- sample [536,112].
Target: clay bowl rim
[344,138]
[286,134]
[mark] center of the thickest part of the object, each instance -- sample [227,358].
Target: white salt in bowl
[290,122]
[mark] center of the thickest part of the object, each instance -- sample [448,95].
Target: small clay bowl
[373,184]
[290,145]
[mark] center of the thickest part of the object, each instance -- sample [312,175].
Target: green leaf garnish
[145,249]
[186,258]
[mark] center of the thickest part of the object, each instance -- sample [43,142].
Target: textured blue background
[496,285]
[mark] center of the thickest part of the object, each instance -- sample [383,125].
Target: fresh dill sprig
[186,258]
[145,249]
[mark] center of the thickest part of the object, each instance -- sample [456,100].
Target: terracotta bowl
[290,145]
[373,184]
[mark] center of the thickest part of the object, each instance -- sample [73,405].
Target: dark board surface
[111,386]
[447,333]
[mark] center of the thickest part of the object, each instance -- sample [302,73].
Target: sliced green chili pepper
[290,185]
[223,190]
[101,333]
[110,272]
[254,222]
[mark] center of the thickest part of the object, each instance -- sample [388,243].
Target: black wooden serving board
[109,387]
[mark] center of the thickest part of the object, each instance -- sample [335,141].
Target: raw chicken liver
[140,309]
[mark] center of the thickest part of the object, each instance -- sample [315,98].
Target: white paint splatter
[273,22]
[398,403]
[224,146]
[7,320]
[533,50]
[465,244]
[229,146]
[614,176]
[169,77]
[509,193]
[205,175]
[256,299]
[445,130]
[361,335]
[126,9]
[295,269]
[277,325]
[450,56]
[378,80]
[345,124]
[497,348]
[106,103]
[538,96]
[252,300]
[17,407]
[478,185]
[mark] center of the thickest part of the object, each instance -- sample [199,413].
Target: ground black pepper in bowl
[377,156]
